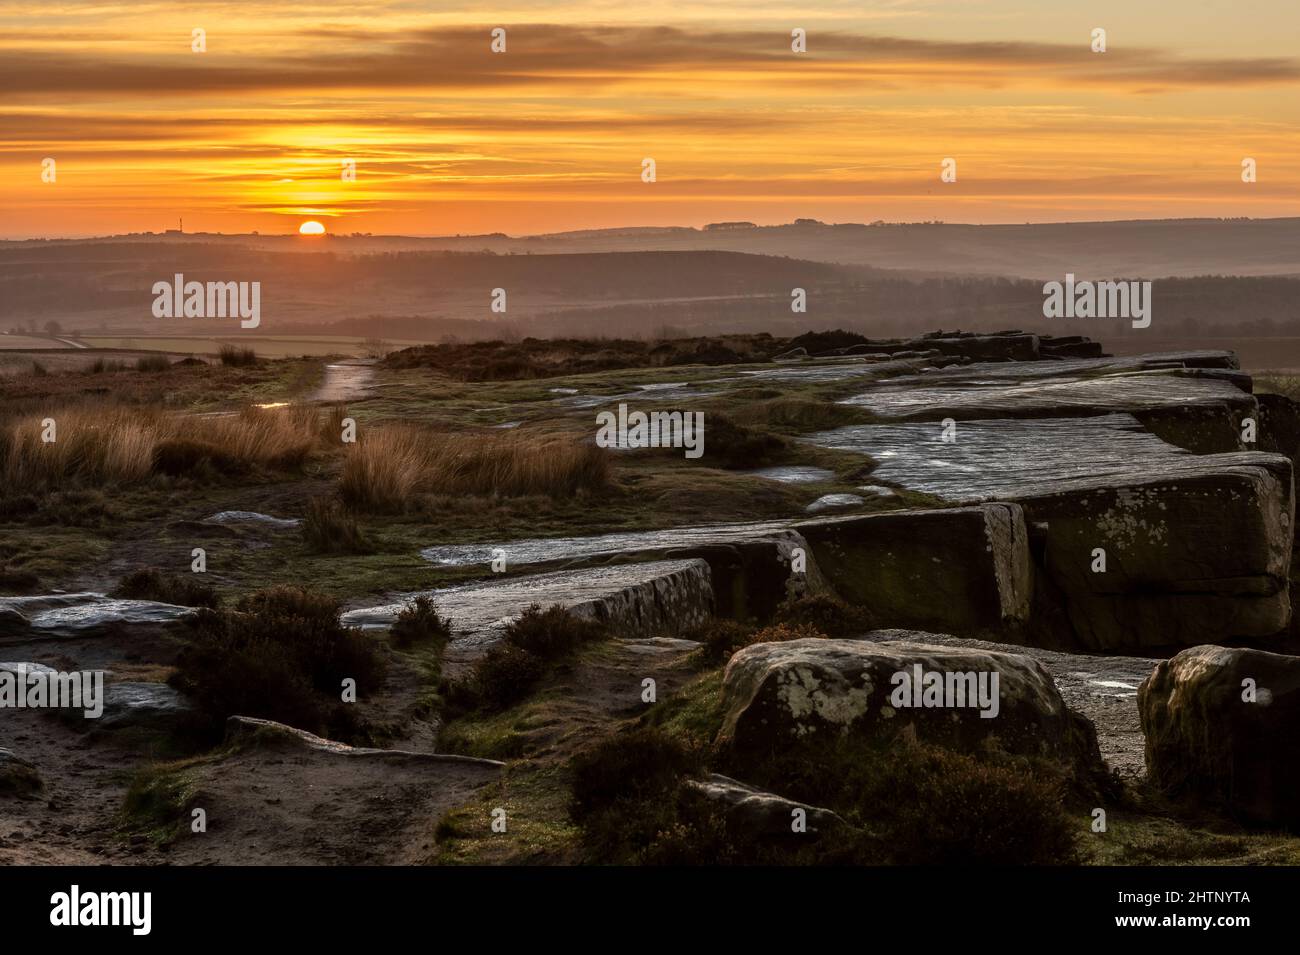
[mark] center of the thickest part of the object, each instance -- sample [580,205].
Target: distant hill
[1212,277]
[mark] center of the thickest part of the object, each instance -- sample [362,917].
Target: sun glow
[311,227]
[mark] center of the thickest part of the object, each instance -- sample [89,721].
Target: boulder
[779,696]
[958,569]
[1199,552]
[1209,739]
[762,812]
[140,704]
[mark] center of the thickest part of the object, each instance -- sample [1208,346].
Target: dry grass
[110,445]
[391,465]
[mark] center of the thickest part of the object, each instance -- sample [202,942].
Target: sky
[448,137]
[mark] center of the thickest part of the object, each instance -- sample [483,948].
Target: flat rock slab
[660,597]
[254,518]
[543,550]
[80,614]
[958,569]
[1221,725]
[791,474]
[974,397]
[1002,458]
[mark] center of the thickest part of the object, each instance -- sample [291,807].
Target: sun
[311,227]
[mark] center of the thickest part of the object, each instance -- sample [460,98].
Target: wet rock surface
[64,615]
[633,599]
[1220,727]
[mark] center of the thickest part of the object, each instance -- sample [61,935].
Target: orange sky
[449,137]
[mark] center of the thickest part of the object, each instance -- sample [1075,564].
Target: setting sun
[311,228]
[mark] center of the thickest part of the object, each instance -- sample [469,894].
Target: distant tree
[53,329]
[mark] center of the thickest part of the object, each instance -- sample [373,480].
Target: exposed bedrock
[1201,412]
[1221,728]
[1197,553]
[633,599]
[779,697]
[754,566]
[752,577]
[958,570]
[762,812]
[79,614]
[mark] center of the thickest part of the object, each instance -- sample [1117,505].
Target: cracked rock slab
[958,569]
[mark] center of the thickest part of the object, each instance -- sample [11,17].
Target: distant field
[28,342]
[269,346]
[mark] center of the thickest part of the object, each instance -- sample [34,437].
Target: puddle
[346,381]
[791,474]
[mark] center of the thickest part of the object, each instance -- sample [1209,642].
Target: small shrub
[722,638]
[419,622]
[102,366]
[329,528]
[147,583]
[639,764]
[153,363]
[829,615]
[38,370]
[280,654]
[235,357]
[509,671]
[931,805]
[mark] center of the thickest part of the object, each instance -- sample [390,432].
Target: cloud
[549,56]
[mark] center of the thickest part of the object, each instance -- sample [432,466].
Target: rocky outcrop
[634,600]
[245,733]
[1220,727]
[763,813]
[1201,413]
[752,577]
[254,518]
[783,696]
[753,566]
[140,704]
[1199,552]
[959,569]
[80,614]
